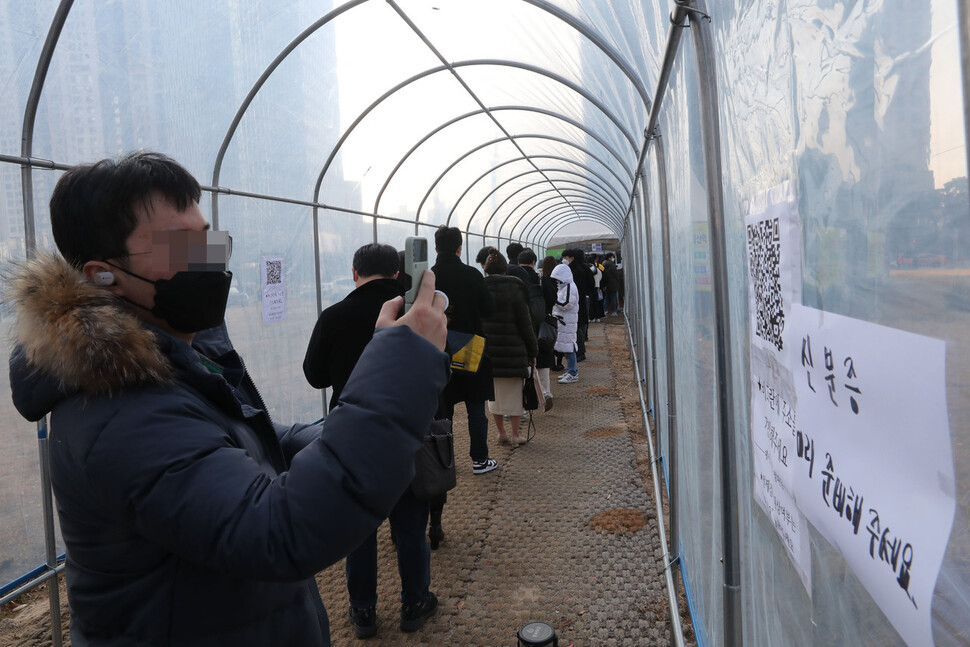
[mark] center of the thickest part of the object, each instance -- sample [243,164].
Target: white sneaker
[485,466]
[568,379]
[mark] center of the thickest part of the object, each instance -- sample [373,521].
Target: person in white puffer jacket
[566,310]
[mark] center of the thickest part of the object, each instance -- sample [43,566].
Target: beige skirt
[508,396]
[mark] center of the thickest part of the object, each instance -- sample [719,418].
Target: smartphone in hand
[415,263]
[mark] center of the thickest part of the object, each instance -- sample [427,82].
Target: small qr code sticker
[274,272]
[764,260]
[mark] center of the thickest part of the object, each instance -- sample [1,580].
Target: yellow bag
[471,348]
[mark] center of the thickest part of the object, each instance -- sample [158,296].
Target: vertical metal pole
[673,442]
[635,290]
[653,315]
[30,244]
[53,590]
[963,17]
[30,115]
[319,286]
[710,131]
[643,298]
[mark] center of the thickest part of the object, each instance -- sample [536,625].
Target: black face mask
[189,301]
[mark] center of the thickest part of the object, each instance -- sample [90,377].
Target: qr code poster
[272,278]
[774,264]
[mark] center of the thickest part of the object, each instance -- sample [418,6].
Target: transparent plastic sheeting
[858,106]
[523,116]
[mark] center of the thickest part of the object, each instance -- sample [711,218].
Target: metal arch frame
[549,221]
[257,86]
[707,97]
[545,210]
[569,120]
[578,26]
[553,210]
[587,198]
[542,220]
[556,225]
[461,81]
[520,159]
[505,182]
[50,567]
[673,448]
[583,199]
[474,62]
[611,198]
[602,45]
[590,198]
[470,152]
[618,60]
[570,220]
[535,206]
[518,222]
[593,36]
[539,222]
[558,140]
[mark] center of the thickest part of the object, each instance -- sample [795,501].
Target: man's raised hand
[426,316]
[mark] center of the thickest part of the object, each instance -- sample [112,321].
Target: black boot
[435,533]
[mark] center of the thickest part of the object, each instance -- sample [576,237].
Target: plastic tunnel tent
[319,128]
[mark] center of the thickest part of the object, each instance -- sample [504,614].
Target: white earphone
[104,278]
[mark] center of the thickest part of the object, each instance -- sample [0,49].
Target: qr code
[274,272]
[764,259]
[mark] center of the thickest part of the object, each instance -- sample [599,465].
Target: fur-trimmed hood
[72,337]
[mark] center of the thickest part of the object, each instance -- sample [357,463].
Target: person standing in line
[549,288]
[596,301]
[482,256]
[583,284]
[338,340]
[189,516]
[512,345]
[512,251]
[469,301]
[610,285]
[566,310]
[544,360]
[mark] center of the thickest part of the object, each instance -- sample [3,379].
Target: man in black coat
[337,342]
[345,328]
[512,251]
[469,301]
[545,359]
[610,285]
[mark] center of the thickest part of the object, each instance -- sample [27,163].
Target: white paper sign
[874,467]
[272,278]
[774,265]
[772,435]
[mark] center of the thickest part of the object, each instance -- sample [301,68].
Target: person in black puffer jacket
[512,344]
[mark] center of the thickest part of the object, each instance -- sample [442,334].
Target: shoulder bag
[547,334]
[434,464]
[466,350]
[531,392]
